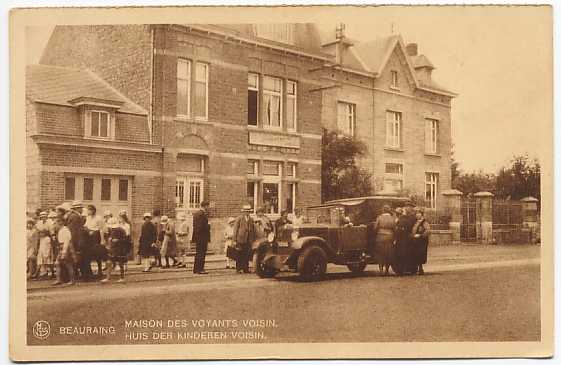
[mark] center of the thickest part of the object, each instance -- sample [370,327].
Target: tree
[340,176]
[454,166]
[520,180]
[473,182]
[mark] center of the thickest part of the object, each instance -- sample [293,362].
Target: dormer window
[395,80]
[99,125]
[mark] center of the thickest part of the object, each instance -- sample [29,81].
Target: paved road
[488,295]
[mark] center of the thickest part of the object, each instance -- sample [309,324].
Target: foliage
[473,182]
[340,175]
[519,180]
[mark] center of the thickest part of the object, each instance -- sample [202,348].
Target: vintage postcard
[281,182]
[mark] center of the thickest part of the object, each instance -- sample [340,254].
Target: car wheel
[261,269]
[357,267]
[312,263]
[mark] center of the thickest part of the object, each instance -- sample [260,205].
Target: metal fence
[507,214]
[438,219]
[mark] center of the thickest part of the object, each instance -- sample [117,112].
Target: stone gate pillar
[530,217]
[452,205]
[484,216]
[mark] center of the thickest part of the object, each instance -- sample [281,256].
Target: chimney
[412,49]
[339,38]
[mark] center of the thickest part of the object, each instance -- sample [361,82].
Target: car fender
[259,243]
[303,242]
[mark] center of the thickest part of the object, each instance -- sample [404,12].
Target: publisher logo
[41,330]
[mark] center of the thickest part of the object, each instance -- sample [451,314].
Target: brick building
[382,93]
[188,112]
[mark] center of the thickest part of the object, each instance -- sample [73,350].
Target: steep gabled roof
[421,61]
[61,85]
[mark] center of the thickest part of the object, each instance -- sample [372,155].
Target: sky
[499,61]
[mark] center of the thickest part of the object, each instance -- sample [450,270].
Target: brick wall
[119,54]
[131,128]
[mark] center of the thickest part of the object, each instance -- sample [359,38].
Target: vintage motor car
[337,232]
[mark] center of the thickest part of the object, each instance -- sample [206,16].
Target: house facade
[229,114]
[382,93]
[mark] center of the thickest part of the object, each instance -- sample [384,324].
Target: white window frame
[292,99]
[394,121]
[431,135]
[88,125]
[399,176]
[188,80]
[394,79]
[431,181]
[206,81]
[255,193]
[349,116]
[186,181]
[278,94]
[292,192]
[254,88]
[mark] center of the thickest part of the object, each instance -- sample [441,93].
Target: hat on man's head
[246,208]
[52,214]
[123,213]
[164,219]
[66,206]
[107,213]
[77,204]
[43,214]
[147,215]
[231,220]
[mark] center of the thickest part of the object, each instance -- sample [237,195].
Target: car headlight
[294,235]
[271,237]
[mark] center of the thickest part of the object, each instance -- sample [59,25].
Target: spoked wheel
[312,263]
[261,269]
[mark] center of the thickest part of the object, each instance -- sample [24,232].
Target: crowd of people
[63,242]
[401,240]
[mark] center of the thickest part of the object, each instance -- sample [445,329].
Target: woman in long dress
[45,258]
[420,235]
[384,229]
[169,244]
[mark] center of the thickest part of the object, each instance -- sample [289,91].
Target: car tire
[263,271]
[357,267]
[312,263]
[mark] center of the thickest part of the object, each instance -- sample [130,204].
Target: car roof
[360,200]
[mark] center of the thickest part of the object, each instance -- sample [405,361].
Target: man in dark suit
[244,235]
[201,237]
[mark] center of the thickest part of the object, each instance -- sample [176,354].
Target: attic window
[395,80]
[283,33]
[99,125]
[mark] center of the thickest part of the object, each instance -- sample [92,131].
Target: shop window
[271,196]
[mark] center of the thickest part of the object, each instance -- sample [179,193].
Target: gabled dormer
[97,116]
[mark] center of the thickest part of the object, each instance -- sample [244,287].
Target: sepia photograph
[347,181]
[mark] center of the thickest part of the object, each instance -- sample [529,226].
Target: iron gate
[468,227]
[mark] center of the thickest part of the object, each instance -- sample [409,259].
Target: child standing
[118,250]
[45,259]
